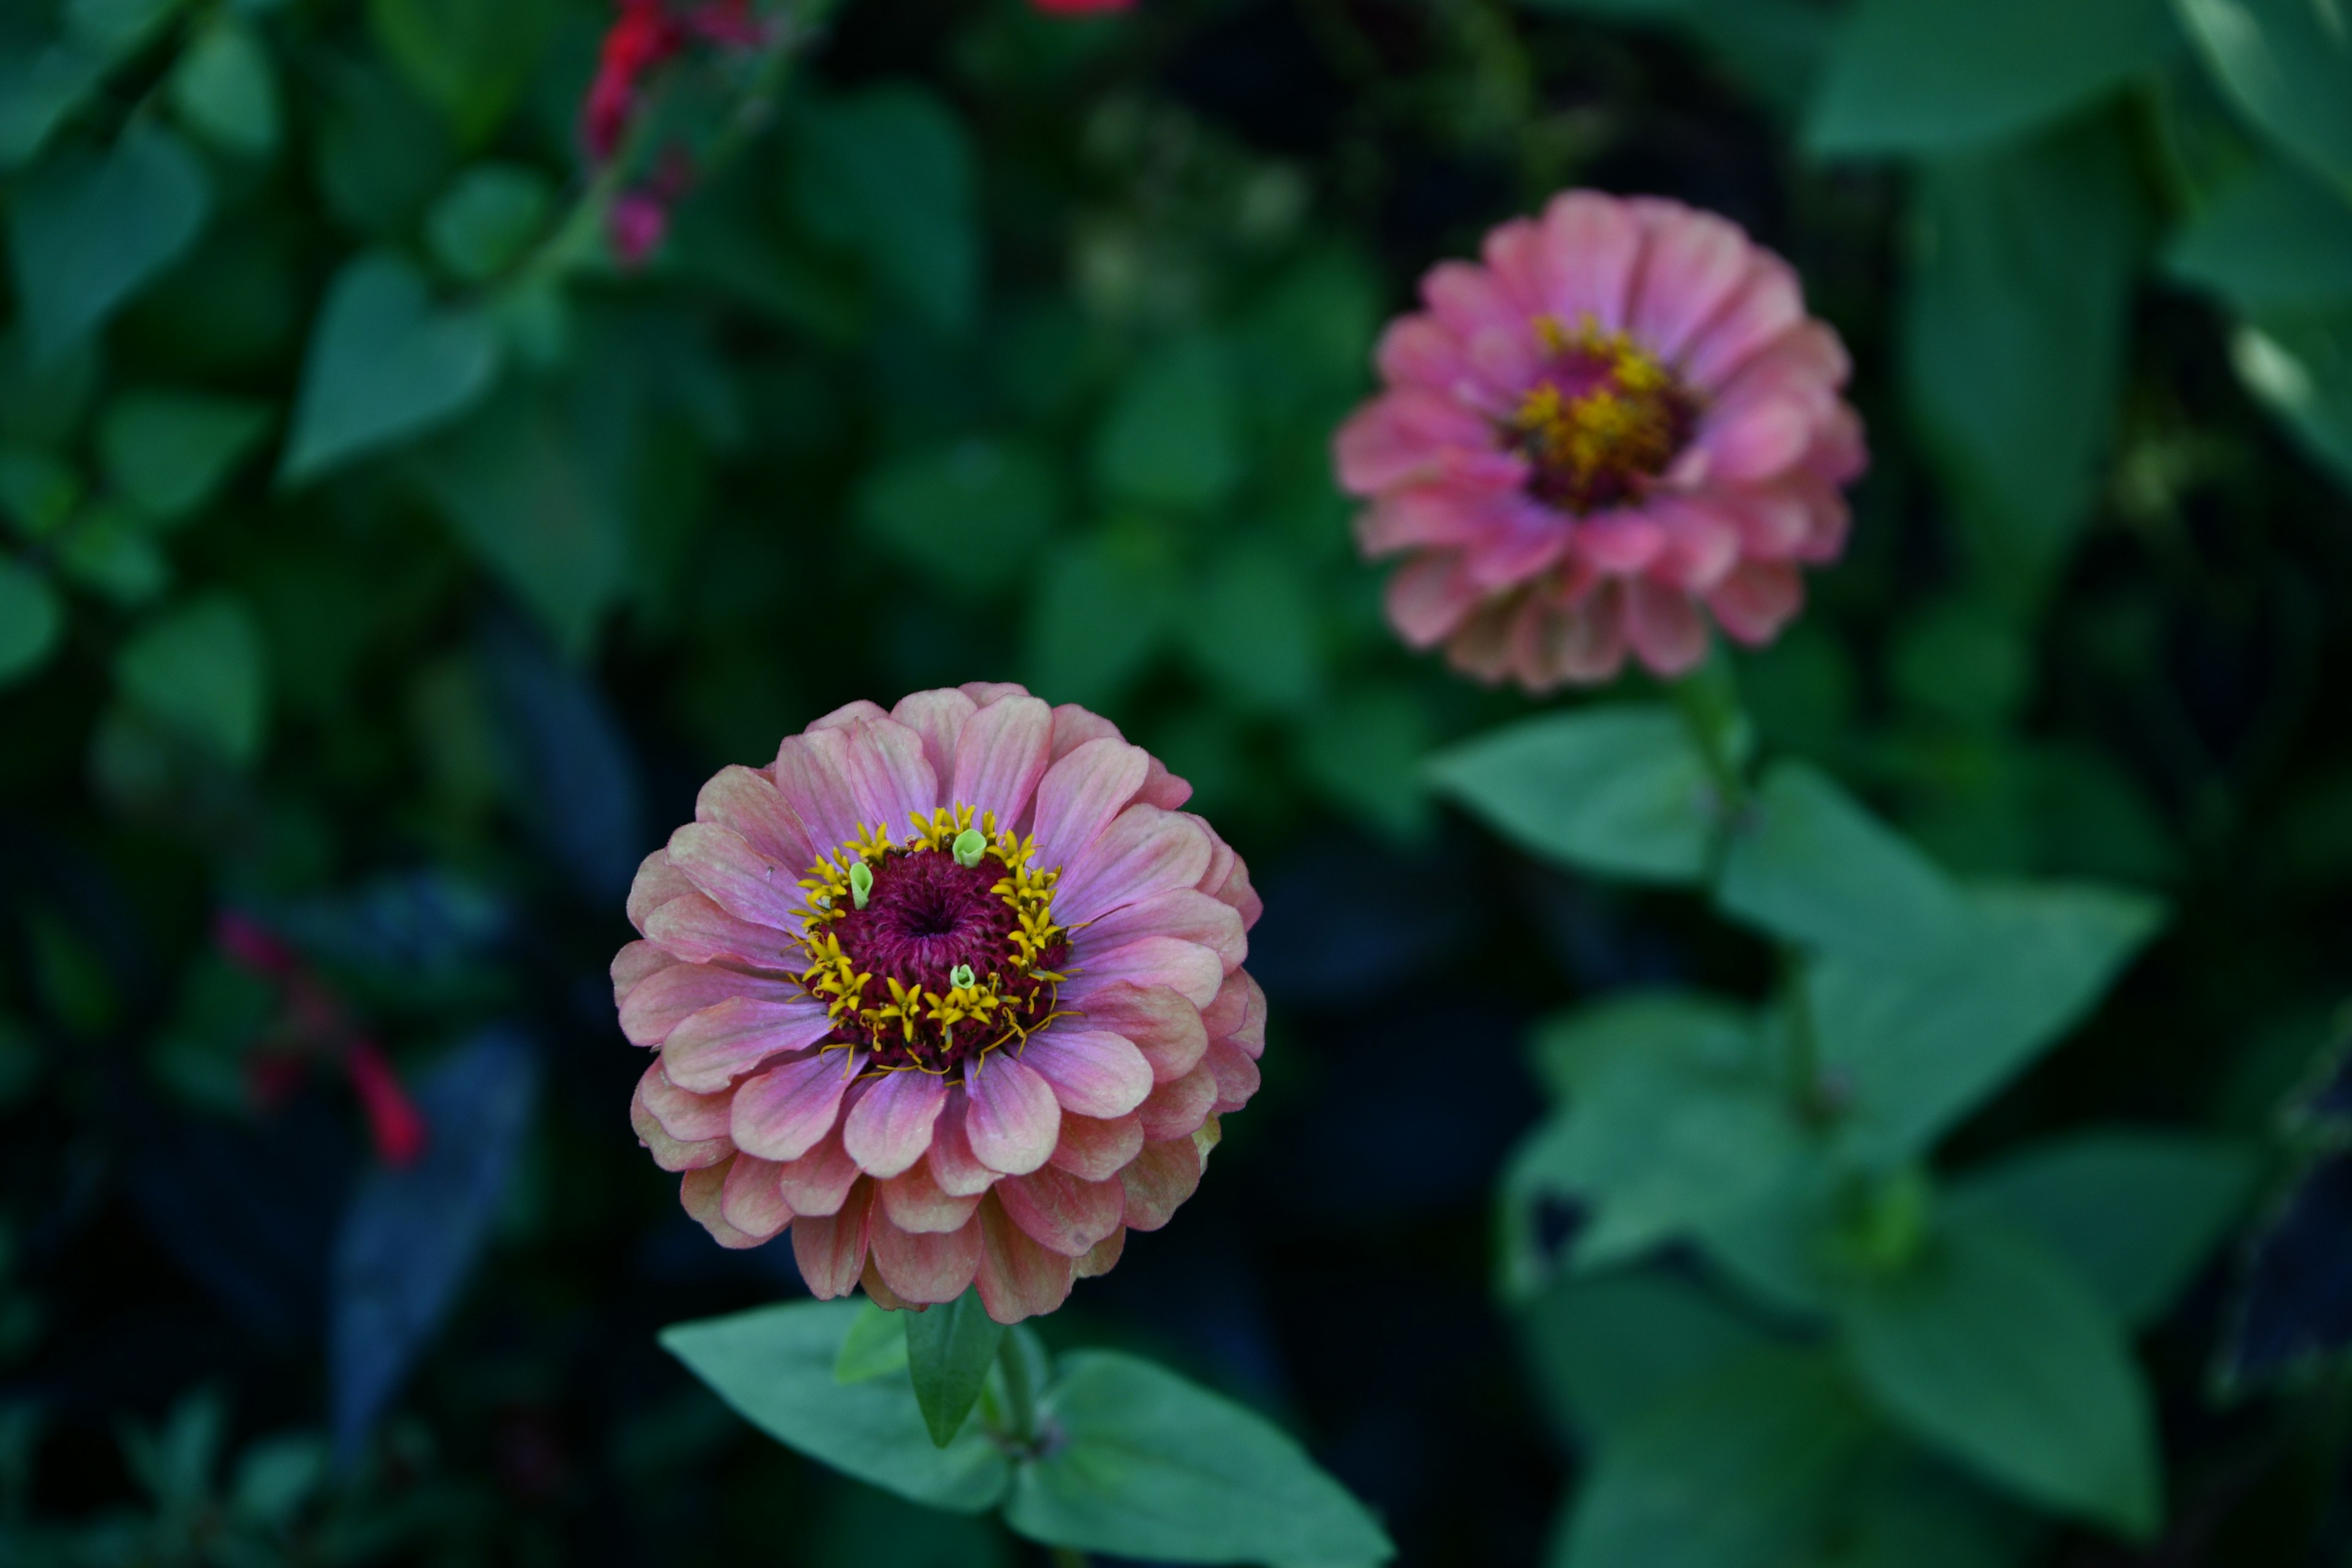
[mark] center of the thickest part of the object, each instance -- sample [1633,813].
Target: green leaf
[468,58]
[2285,63]
[774,1366]
[1609,1350]
[116,26]
[2135,1212]
[37,490]
[2300,363]
[1365,750]
[1931,76]
[1100,613]
[2024,259]
[1618,790]
[1252,629]
[889,171]
[1809,865]
[30,619]
[111,552]
[1917,1048]
[381,150]
[974,516]
[949,1348]
[383,367]
[87,231]
[1740,1470]
[488,219]
[200,669]
[41,82]
[2271,238]
[874,1346]
[225,90]
[535,484]
[1152,1466]
[1172,435]
[167,452]
[1574,1050]
[1908,1510]
[1993,1351]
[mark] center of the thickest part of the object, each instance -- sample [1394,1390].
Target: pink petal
[1000,758]
[831,1248]
[671,1153]
[686,1116]
[1162,788]
[750,1200]
[699,930]
[1469,299]
[914,1202]
[700,1191]
[1426,516]
[1617,543]
[813,775]
[1513,252]
[662,1000]
[1664,627]
[1013,1119]
[1177,1109]
[987,693]
[1105,1256]
[1188,969]
[718,1045]
[1481,649]
[888,776]
[1161,1177]
[737,878]
[1017,1277]
[1702,541]
[1530,538]
[1097,1151]
[1238,1013]
[1091,1072]
[1185,913]
[1758,440]
[1693,262]
[1768,302]
[1585,642]
[938,717]
[746,802]
[1157,1022]
[1061,1212]
[1142,852]
[849,716]
[1417,351]
[1755,602]
[1775,521]
[890,1128]
[1402,435]
[924,1267]
[1236,1074]
[818,1182]
[784,1112]
[634,963]
[1428,597]
[1592,245]
[1074,726]
[952,1164]
[656,883]
[1080,794]
[1227,879]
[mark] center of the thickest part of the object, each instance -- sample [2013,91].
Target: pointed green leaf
[2271,237]
[30,619]
[201,670]
[887,171]
[1810,865]
[166,452]
[384,366]
[2299,362]
[949,1350]
[225,90]
[874,1346]
[87,231]
[2286,64]
[1611,1349]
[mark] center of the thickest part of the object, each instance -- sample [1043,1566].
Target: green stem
[1020,1396]
[1804,1040]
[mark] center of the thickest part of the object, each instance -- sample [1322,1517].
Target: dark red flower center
[1602,419]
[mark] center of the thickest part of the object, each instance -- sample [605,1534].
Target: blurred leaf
[2300,364]
[109,552]
[556,724]
[42,404]
[1152,1466]
[1172,436]
[2271,238]
[2286,64]
[535,484]
[1573,1050]
[42,81]
[411,1236]
[1919,1046]
[2135,1214]
[1609,1350]
[225,90]
[1098,617]
[488,219]
[470,58]
[973,515]
[1990,1349]
[175,1461]
[37,490]
[168,451]
[1964,661]
[1251,627]
[1740,1469]
[1619,790]
[1809,865]
[89,230]
[384,366]
[200,669]
[2293,1312]
[1933,76]
[116,26]
[1364,751]
[275,1477]
[774,1366]
[382,152]
[2013,336]
[949,1348]
[1908,1510]
[30,620]
[874,1346]
[889,170]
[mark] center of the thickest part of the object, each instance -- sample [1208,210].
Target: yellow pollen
[1588,448]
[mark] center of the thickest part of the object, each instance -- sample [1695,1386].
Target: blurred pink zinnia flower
[954,992]
[1623,414]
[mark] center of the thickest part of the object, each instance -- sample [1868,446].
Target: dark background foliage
[1002,345]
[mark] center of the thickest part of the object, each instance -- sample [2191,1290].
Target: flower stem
[1804,1041]
[1020,1397]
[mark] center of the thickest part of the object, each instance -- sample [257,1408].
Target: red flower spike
[393,1121]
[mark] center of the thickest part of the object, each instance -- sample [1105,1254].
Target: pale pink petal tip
[1615,432]
[946,1108]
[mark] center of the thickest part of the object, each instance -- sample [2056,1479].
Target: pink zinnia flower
[1624,414]
[954,992]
